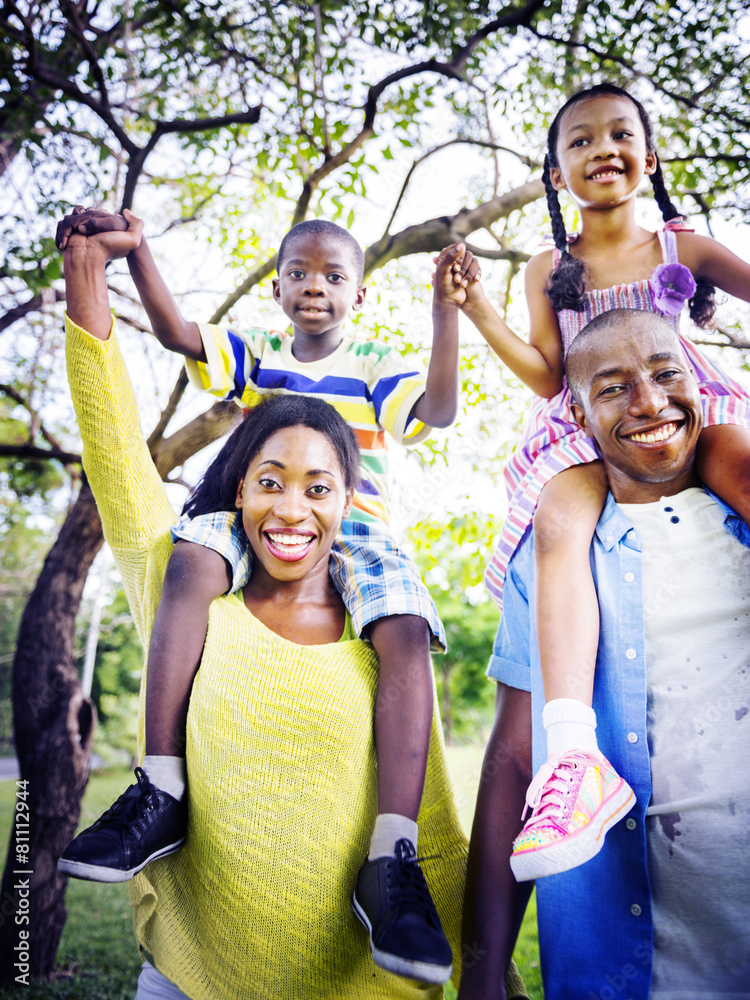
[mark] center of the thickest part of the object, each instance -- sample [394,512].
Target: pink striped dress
[552,441]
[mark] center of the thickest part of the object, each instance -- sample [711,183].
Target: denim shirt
[595,923]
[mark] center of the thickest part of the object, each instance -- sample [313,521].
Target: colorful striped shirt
[369,383]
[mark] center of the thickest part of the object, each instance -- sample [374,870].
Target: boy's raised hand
[456,270]
[112,236]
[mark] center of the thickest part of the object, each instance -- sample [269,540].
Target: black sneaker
[145,823]
[393,902]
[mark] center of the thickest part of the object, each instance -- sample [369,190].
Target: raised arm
[135,512]
[455,269]
[495,903]
[438,405]
[169,327]
[84,262]
[710,260]
[538,363]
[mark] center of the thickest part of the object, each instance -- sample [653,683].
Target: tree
[263,113]
[451,556]
[117,678]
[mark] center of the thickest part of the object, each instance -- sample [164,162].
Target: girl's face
[601,152]
[293,498]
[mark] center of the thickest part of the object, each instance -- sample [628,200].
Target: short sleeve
[230,358]
[395,388]
[510,662]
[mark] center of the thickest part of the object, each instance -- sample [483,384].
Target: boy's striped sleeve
[395,390]
[230,358]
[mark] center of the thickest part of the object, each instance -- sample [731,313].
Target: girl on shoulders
[600,146]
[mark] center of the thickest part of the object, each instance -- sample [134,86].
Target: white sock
[390,827]
[570,725]
[167,773]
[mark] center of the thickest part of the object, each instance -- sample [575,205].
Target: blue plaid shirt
[595,924]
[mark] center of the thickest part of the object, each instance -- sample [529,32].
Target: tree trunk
[446,708]
[54,725]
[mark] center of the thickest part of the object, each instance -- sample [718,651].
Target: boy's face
[317,286]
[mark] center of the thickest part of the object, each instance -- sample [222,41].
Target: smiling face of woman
[293,498]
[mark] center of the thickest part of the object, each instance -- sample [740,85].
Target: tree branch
[518,18]
[516,257]
[32,451]
[181,126]
[16,396]
[444,145]
[255,276]
[194,436]
[77,29]
[157,434]
[452,70]
[734,341]
[604,56]
[319,82]
[709,157]
[437,233]
[34,304]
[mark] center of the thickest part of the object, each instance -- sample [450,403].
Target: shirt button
[636,910]
[675,519]
[669,509]
[630,823]
[629,577]
[632,737]
[631,654]
[610,538]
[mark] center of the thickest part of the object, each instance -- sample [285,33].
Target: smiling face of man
[637,397]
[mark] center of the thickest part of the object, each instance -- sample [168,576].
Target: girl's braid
[566,285]
[661,195]
[702,306]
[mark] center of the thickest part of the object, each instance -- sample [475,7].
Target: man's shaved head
[635,394]
[605,327]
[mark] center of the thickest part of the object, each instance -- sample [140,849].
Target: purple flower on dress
[673,285]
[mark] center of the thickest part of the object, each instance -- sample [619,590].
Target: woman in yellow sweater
[281,762]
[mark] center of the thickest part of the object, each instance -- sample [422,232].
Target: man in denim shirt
[663,911]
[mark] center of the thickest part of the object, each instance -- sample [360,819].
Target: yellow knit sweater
[281,765]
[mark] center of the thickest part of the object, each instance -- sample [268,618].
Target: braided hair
[567,285]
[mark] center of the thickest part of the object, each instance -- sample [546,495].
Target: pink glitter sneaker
[574,798]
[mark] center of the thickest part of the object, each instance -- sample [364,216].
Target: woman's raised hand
[114,236]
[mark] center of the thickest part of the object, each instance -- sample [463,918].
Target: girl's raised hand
[456,269]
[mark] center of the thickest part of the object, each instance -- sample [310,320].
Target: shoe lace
[550,786]
[131,805]
[408,889]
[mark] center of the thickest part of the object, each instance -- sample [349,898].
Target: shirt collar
[732,520]
[613,526]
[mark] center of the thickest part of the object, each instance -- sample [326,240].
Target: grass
[98,959]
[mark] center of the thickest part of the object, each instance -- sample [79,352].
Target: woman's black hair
[217,490]
[567,285]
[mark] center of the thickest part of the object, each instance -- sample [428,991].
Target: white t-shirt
[696,583]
